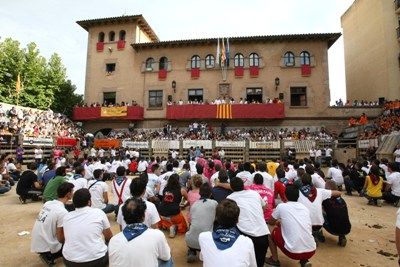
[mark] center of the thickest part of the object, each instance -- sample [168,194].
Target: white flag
[218,55]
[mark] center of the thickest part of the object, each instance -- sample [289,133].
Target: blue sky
[51,24]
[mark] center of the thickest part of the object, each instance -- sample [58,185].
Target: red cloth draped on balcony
[100,46]
[162,74]
[92,113]
[195,73]
[121,44]
[254,71]
[239,111]
[239,71]
[305,70]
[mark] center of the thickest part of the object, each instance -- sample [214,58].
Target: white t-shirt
[268,181]
[88,171]
[296,227]
[83,231]
[38,153]
[328,152]
[318,153]
[394,180]
[44,238]
[143,251]
[11,167]
[163,180]
[142,166]
[97,190]
[213,177]
[114,166]
[153,181]
[246,177]
[240,254]
[336,175]
[117,189]
[315,207]
[80,183]
[174,154]
[101,152]
[251,218]
[318,181]
[151,215]
[93,152]
[312,153]
[397,153]
[126,163]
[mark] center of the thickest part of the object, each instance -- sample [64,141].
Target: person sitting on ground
[138,189]
[356,179]
[137,244]
[222,189]
[169,209]
[194,195]
[184,177]
[12,170]
[251,219]
[292,232]
[245,175]
[48,174]
[4,185]
[392,191]
[82,232]
[335,173]
[28,186]
[120,188]
[50,192]
[336,215]
[266,194]
[317,180]
[280,186]
[373,187]
[225,246]
[80,178]
[99,192]
[268,179]
[312,198]
[202,220]
[48,225]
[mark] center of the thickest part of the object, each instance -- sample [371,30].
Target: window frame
[108,65]
[198,97]
[305,58]
[111,36]
[109,94]
[238,60]
[254,60]
[163,63]
[122,35]
[149,66]
[101,37]
[299,92]
[289,59]
[158,98]
[195,62]
[210,61]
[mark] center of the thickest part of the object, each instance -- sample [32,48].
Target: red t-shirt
[280,188]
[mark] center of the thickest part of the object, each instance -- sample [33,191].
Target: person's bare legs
[273,249]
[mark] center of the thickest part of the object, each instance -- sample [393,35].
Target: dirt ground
[371,242]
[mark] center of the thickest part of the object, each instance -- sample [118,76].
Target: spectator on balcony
[363,119]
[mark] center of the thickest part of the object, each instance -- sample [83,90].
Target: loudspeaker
[281,96]
[381,101]
[169,97]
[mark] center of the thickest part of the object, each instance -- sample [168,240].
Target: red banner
[106,143]
[67,142]
[92,113]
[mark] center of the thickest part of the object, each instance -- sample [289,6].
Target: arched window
[254,60]
[239,60]
[111,36]
[101,37]
[149,63]
[195,62]
[305,58]
[210,61]
[122,35]
[289,59]
[163,63]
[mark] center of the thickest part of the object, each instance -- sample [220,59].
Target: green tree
[66,99]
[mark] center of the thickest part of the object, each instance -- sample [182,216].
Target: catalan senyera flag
[18,85]
[224,111]
[223,53]
[114,111]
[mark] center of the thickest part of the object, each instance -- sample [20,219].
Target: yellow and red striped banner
[224,111]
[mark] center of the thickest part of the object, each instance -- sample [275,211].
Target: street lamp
[277,82]
[174,86]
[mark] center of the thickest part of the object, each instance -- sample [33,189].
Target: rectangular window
[195,95]
[155,98]
[254,95]
[298,96]
[109,97]
[110,68]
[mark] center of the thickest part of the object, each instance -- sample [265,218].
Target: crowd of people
[387,123]
[356,103]
[230,207]
[110,104]
[224,100]
[37,123]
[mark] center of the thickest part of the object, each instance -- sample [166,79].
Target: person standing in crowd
[392,190]
[28,186]
[312,154]
[82,232]
[335,173]
[137,244]
[48,226]
[373,187]
[336,215]
[251,219]
[328,156]
[99,192]
[293,235]
[120,188]
[20,154]
[225,246]
[318,155]
[38,154]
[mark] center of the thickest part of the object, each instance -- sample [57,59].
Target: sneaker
[172,231]
[342,241]
[378,203]
[321,237]
[47,259]
[22,200]
[269,261]
[191,257]
[305,263]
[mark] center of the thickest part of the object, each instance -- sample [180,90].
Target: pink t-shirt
[267,195]
[192,197]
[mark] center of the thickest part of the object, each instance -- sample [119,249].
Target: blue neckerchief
[306,190]
[225,238]
[120,179]
[77,176]
[203,198]
[134,230]
[284,181]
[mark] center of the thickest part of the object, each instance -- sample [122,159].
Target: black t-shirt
[358,177]
[170,203]
[219,193]
[26,182]
[337,215]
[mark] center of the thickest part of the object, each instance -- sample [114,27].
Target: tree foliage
[44,82]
